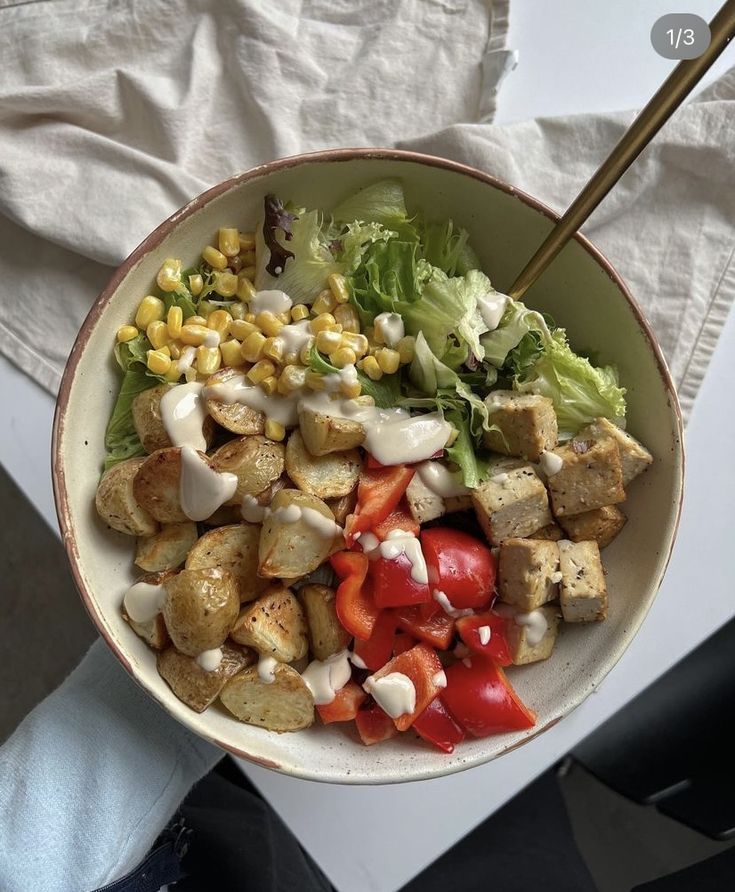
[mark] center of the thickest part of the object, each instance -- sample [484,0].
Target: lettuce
[385,392]
[516,323]
[383,203]
[390,273]
[448,249]
[463,452]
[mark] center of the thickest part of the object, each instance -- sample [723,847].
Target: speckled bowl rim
[152,242]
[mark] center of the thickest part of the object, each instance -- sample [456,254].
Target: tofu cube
[583,595]
[511,504]
[634,458]
[601,525]
[453,504]
[528,572]
[591,477]
[526,422]
[522,633]
[552,532]
[423,503]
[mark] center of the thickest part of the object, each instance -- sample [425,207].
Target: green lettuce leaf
[382,202]
[463,452]
[516,323]
[448,248]
[391,272]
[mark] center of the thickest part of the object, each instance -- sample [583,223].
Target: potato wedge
[323,434]
[146,412]
[200,608]
[154,632]
[293,549]
[256,461]
[156,486]
[224,515]
[326,634]
[167,549]
[274,625]
[233,416]
[265,497]
[233,548]
[117,503]
[286,704]
[195,686]
[325,476]
[343,506]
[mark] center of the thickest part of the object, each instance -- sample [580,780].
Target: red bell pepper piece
[481,699]
[372,463]
[378,493]
[402,642]
[421,665]
[437,726]
[393,584]
[345,705]
[378,648]
[400,518]
[374,725]
[356,609]
[497,648]
[459,565]
[436,630]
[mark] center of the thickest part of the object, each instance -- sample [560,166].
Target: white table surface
[574,56]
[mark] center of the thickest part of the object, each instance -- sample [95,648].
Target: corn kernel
[169,275]
[175,349]
[338,286]
[196,320]
[166,350]
[228,241]
[219,321]
[205,308]
[299,312]
[252,347]
[328,341]
[150,309]
[370,366]
[323,322]
[249,317]
[193,334]
[406,348]
[346,316]
[273,349]
[342,357]
[247,241]
[365,400]
[196,283]
[356,342]
[216,259]
[274,430]
[305,354]
[290,358]
[314,380]
[269,385]
[174,321]
[237,311]
[241,329]
[173,374]
[324,303]
[126,333]
[225,284]
[158,362]
[388,360]
[157,334]
[351,389]
[453,434]
[284,317]
[190,374]
[245,288]
[247,272]
[293,377]
[262,369]
[268,323]
[209,360]
[230,351]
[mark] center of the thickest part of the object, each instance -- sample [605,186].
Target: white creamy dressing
[267,669]
[202,490]
[439,679]
[210,660]
[185,361]
[389,328]
[251,511]
[492,307]
[183,414]
[370,543]
[485,633]
[325,677]
[143,601]
[292,338]
[211,339]
[551,463]
[346,375]
[556,577]
[394,693]
[399,542]
[238,389]
[443,601]
[271,301]
[534,621]
[440,480]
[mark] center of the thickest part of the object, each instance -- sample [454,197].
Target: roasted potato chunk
[232,416]
[167,549]
[117,503]
[325,476]
[195,686]
[294,541]
[326,634]
[285,704]
[200,608]
[343,506]
[234,548]
[153,632]
[274,625]
[323,434]
[256,461]
[156,486]
[147,421]
[225,514]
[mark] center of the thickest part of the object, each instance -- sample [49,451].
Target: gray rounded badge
[680,35]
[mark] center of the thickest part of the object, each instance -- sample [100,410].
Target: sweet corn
[247,241]
[228,241]
[262,369]
[314,380]
[174,349]
[230,351]
[274,430]
[273,349]
[338,286]
[247,272]
[269,385]
[157,334]
[252,347]
[293,377]
[225,284]
[370,366]
[328,341]
[169,275]
[249,317]
[193,334]
[209,359]
[174,321]
[196,320]
[406,348]
[452,436]
[299,312]
[284,317]
[346,316]
[126,333]
[356,342]
[219,321]
[166,350]
[150,309]
[237,311]
[305,354]
[205,308]
[216,259]
[365,400]
[351,389]
[268,323]
[241,329]
[173,374]
[196,283]
[342,357]
[290,358]
[324,303]
[388,360]
[245,288]
[190,374]
[158,362]
[323,322]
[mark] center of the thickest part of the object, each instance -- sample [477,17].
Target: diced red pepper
[393,584]
[402,642]
[378,493]
[345,705]
[378,648]
[356,609]
[372,463]
[497,648]
[437,726]
[421,665]
[374,725]
[481,698]
[400,518]
[436,630]
[461,566]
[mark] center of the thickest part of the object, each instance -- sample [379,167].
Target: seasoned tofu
[526,422]
[511,504]
[522,634]
[583,595]
[634,458]
[425,505]
[601,525]
[552,532]
[528,572]
[591,477]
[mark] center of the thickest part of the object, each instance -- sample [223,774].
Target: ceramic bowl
[582,292]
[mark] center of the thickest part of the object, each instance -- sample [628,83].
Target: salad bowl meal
[338,502]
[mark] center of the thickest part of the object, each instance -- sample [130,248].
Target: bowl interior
[581,293]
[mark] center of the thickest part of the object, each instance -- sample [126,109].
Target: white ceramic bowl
[581,291]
